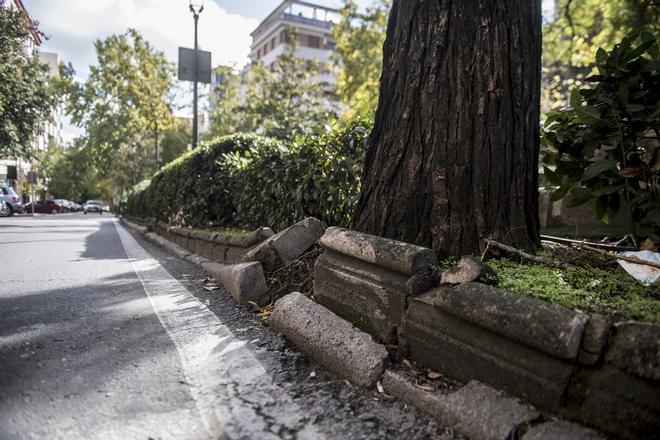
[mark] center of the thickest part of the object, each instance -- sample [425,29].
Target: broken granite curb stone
[475,410]
[244,281]
[367,279]
[287,245]
[469,269]
[522,345]
[329,340]
[561,430]
[595,338]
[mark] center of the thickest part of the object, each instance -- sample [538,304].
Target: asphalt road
[104,336]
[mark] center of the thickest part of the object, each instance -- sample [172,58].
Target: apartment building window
[284,36]
[314,41]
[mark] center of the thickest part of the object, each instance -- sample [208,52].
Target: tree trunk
[453,156]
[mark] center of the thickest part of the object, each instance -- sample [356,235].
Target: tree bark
[453,156]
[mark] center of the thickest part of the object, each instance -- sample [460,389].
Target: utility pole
[196,10]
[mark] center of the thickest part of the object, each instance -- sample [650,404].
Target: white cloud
[73,25]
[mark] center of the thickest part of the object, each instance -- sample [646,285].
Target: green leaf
[560,193]
[597,168]
[601,56]
[552,177]
[575,99]
[588,114]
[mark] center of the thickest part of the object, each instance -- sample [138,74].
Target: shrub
[605,145]
[317,176]
[252,181]
[194,189]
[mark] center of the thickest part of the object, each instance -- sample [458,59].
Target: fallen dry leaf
[433,375]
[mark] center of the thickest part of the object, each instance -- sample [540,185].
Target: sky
[224,27]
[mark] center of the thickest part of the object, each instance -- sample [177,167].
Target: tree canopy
[25,95]
[359,56]
[124,107]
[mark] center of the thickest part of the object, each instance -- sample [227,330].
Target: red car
[43,207]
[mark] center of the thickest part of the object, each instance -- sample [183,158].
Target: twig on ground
[522,254]
[635,260]
[569,241]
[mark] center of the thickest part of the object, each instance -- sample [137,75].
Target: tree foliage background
[359,56]
[25,94]
[281,102]
[125,109]
[576,30]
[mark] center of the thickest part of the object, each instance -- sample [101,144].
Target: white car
[93,206]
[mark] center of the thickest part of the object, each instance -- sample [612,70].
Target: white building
[312,25]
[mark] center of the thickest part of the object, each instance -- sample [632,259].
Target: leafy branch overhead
[606,145]
[25,92]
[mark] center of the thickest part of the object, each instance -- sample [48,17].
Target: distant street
[101,337]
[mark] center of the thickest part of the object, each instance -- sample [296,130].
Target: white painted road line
[235,396]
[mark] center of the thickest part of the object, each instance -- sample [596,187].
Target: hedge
[251,181]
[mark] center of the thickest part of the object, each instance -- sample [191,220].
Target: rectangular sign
[187,65]
[32,177]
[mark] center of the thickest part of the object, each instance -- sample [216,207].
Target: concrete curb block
[475,410]
[561,430]
[547,327]
[329,340]
[287,245]
[245,281]
[404,258]
[134,226]
[442,332]
[368,280]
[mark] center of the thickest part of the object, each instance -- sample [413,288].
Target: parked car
[44,207]
[93,206]
[13,202]
[5,210]
[67,205]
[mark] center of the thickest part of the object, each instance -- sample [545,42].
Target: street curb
[244,281]
[475,410]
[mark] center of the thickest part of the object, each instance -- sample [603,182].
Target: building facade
[311,24]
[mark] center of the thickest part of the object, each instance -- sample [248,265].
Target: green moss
[587,288]
[229,230]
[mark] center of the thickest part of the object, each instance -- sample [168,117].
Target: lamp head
[196,6]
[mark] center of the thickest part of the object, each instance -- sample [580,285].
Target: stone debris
[329,340]
[469,269]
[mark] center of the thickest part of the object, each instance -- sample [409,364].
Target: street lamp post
[196,8]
